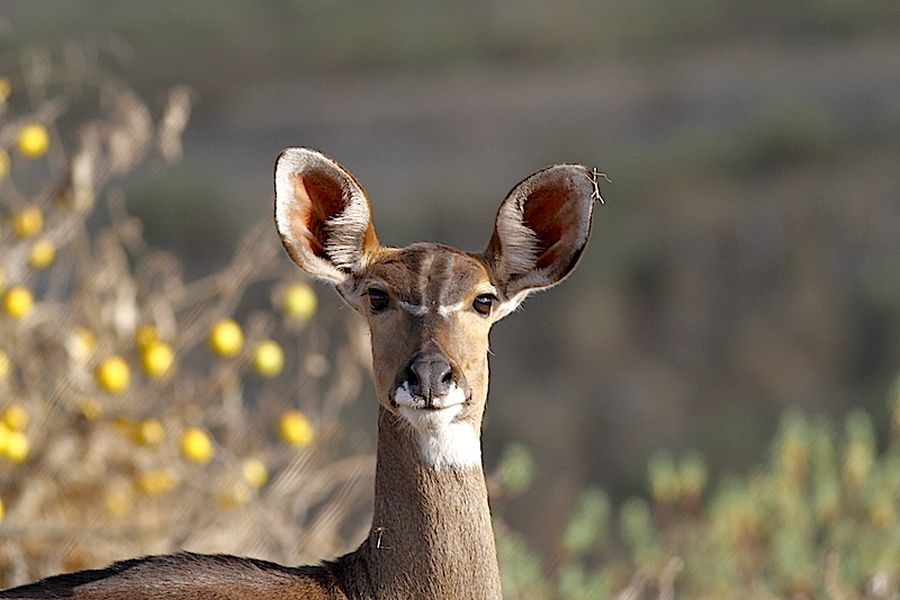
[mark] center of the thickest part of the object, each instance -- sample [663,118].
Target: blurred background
[747,259]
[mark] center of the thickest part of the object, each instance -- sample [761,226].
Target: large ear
[322,215]
[541,229]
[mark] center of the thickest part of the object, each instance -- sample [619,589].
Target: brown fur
[431,534]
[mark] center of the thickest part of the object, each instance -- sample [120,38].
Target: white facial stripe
[420,310]
[446,311]
[416,310]
[424,270]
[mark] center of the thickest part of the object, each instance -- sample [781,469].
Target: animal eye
[483,303]
[378,299]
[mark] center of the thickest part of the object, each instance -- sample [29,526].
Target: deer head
[430,307]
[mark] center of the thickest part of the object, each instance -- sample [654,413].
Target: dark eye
[483,303]
[378,299]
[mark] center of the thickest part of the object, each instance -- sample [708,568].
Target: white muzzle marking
[443,441]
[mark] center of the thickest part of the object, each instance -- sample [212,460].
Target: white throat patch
[443,441]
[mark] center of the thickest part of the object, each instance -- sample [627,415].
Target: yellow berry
[16,417]
[154,482]
[268,358]
[33,140]
[5,366]
[90,409]
[299,301]
[4,163]
[196,445]
[235,496]
[295,429]
[157,358]
[27,221]
[113,374]
[145,335]
[5,432]
[81,343]
[17,446]
[42,254]
[226,337]
[149,432]
[17,301]
[117,502]
[255,472]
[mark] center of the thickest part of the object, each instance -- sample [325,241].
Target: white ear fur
[541,229]
[322,214]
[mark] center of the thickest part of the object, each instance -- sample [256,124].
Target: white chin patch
[443,441]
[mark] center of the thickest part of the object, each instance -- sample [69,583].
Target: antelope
[429,309]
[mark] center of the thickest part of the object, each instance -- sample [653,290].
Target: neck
[431,533]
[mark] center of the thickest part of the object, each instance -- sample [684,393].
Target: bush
[135,405]
[818,520]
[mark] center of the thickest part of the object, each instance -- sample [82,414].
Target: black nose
[429,375]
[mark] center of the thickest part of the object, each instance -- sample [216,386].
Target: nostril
[429,375]
[412,377]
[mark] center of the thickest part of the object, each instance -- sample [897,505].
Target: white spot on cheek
[443,442]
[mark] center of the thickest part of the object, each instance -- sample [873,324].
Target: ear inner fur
[322,215]
[541,229]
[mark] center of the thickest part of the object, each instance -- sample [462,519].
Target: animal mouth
[454,398]
[426,406]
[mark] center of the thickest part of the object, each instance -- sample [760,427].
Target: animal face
[430,307]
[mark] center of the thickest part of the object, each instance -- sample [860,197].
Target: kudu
[429,308]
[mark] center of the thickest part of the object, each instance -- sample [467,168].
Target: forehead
[430,274]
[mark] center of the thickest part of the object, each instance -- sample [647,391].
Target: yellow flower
[158,481]
[27,221]
[157,359]
[42,254]
[2,510]
[113,374]
[295,429]
[149,432]
[196,445]
[5,89]
[226,338]
[17,446]
[4,163]
[268,358]
[33,140]
[5,365]
[17,301]
[16,417]
[255,472]
[299,301]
